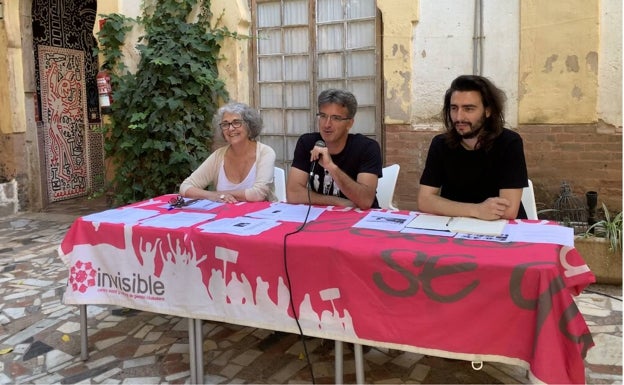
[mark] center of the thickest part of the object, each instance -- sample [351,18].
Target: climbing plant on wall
[159,128]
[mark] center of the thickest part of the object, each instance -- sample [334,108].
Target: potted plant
[609,228]
[601,247]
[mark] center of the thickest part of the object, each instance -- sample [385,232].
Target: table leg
[199,351]
[192,350]
[338,362]
[359,364]
[84,337]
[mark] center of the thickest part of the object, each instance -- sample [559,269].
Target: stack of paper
[458,224]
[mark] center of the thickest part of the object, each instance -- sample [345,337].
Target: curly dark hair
[491,96]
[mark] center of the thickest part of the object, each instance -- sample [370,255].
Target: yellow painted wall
[12,103]
[4,79]
[235,70]
[233,14]
[399,18]
[559,45]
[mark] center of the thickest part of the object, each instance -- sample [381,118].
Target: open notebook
[458,224]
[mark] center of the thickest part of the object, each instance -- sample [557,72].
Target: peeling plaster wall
[129,9]
[5,96]
[399,18]
[443,49]
[235,70]
[559,61]
[13,117]
[610,63]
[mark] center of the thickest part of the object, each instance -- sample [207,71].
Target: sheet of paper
[430,222]
[177,219]
[540,233]
[239,226]
[288,212]
[457,224]
[437,233]
[379,220]
[476,226]
[485,237]
[129,215]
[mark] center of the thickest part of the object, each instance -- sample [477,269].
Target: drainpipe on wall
[477,39]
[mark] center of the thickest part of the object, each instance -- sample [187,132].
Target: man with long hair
[477,167]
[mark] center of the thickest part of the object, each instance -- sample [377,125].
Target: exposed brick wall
[588,157]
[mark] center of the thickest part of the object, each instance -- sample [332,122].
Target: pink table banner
[457,298]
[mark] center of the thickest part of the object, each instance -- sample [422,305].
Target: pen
[449,221]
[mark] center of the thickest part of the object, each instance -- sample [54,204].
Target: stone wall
[9,204]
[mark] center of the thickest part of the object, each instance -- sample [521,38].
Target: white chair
[279,181]
[386,186]
[528,201]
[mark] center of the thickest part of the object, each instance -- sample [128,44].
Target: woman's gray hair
[251,117]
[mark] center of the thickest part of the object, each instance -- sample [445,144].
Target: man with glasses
[332,167]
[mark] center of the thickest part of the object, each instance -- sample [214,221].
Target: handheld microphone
[319,143]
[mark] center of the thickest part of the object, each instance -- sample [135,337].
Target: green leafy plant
[609,228]
[159,128]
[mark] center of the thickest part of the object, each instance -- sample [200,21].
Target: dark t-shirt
[361,154]
[473,176]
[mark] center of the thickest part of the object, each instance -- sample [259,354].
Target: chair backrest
[528,201]
[279,180]
[386,186]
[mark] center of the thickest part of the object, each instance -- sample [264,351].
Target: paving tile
[287,372]
[141,380]
[407,359]
[69,327]
[230,370]
[247,357]
[419,373]
[606,351]
[106,375]
[30,331]
[55,359]
[36,349]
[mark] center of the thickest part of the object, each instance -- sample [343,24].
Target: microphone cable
[292,303]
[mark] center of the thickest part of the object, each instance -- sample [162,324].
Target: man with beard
[477,167]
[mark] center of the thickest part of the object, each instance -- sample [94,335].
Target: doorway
[67,112]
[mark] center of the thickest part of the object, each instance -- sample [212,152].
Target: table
[472,300]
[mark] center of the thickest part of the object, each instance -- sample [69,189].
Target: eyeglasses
[179,201]
[234,123]
[332,118]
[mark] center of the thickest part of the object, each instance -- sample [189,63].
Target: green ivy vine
[159,128]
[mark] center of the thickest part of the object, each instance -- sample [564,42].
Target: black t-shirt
[361,154]
[473,176]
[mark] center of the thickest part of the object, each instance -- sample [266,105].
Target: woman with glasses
[242,170]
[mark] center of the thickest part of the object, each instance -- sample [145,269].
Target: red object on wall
[105,91]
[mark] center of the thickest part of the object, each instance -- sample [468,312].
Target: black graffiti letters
[544,302]
[430,268]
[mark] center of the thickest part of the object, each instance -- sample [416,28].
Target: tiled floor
[40,344]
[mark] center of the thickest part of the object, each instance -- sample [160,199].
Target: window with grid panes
[303,47]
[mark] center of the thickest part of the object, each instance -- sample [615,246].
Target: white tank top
[224,183]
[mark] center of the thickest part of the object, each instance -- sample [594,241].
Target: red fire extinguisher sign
[104,91]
